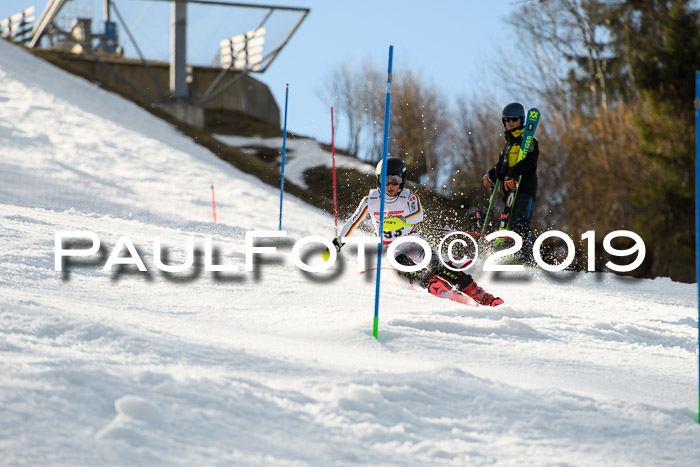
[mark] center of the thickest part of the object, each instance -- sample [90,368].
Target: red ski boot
[480,296]
[465,284]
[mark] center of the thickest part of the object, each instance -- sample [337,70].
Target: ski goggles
[511,119]
[393,179]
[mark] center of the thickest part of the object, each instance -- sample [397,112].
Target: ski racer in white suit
[400,202]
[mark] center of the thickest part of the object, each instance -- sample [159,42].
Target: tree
[419,118]
[474,148]
[621,116]
[661,43]
[347,91]
[419,125]
[572,66]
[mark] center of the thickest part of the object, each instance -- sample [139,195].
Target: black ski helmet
[394,166]
[514,109]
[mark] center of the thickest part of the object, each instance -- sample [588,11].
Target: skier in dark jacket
[517,175]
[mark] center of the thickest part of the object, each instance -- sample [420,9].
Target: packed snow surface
[279,366]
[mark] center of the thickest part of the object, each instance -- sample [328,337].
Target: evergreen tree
[660,43]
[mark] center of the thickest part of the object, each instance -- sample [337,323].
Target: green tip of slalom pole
[375,328]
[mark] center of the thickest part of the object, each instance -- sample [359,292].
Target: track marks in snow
[644,334]
[505,327]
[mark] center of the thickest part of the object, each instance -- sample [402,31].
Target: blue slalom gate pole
[382,190]
[284,149]
[697,212]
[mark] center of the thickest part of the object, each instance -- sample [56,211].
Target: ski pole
[488,211]
[382,191]
[697,208]
[511,201]
[213,203]
[335,185]
[284,150]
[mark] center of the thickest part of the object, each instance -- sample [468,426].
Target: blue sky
[453,44]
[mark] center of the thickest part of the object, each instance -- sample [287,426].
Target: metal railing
[18,27]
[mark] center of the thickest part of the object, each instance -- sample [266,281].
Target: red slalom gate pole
[335,186]
[213,203]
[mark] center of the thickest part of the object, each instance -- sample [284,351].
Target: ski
[443,289]
[437,287]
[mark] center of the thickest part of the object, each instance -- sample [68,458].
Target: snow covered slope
[279,366]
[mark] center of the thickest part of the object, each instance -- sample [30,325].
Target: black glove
[337,244]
